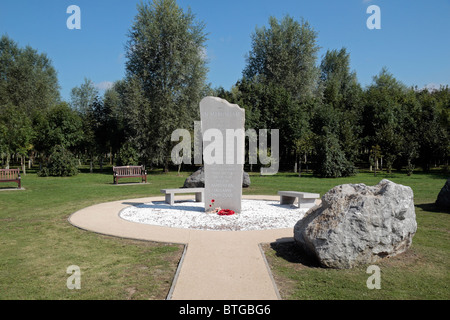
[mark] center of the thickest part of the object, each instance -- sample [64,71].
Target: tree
[285,53]
[333,163]
[16,133]
[28,88]
[61,163]
[375,155]
[433,128]
[383,116]
[342,92]
[280,81]
[112,129]
[82,97]
[27,78]
[166,59]
[60,126]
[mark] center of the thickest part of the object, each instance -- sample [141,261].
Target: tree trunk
[306,162]
[300,167]
[22,163]
[166,166]
[91,167]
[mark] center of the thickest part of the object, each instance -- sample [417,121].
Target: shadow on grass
[290,252]
[432,207]
[127,183]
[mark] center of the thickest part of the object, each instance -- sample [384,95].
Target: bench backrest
[9,174]
[128,170]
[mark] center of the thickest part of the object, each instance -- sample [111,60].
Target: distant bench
[129,172]
[170,194]
[306,200]
[11,175]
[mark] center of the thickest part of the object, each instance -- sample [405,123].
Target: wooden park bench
[170,194]
[129,172]
[11,175]
[306,200]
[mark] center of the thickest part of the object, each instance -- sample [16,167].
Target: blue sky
[413,42]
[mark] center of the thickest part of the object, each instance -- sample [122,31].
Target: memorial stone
[223,153]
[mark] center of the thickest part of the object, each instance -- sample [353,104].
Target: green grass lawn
[37,243]
[420,273]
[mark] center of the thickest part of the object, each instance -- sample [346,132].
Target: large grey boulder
[357,224]
[443,199]
[197,180]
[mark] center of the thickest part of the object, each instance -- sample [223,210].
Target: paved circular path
[216,265]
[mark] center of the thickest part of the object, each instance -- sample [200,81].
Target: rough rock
[357,224]
[443,199]
[197,180]
[246,180]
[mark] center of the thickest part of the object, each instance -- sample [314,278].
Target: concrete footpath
[216,265]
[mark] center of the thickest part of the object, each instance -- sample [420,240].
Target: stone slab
[223,153]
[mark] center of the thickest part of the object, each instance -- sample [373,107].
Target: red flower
[225,212]
[210,206]
[212,200]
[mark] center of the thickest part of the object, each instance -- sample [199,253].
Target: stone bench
[170,194]
[306,200]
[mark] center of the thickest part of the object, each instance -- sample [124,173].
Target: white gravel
[255,215]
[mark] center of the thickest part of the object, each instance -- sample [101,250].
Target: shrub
[332,160]
[61,163]
[127,156]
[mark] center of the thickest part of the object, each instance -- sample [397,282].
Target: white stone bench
[306,200]
[170,194]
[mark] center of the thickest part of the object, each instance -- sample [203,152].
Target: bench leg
[170,198]
[287,200]
[199,197]
[306,203]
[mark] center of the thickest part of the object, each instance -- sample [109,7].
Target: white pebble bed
[255,215]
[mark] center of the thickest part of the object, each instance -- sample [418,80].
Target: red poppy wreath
[225,212]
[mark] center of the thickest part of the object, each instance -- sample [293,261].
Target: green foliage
[28,79]
[285,53]
[322,112]
[60,125]
[16,131]
[61,163]
[166,71]
[82,97]
[333,162]
[127,156]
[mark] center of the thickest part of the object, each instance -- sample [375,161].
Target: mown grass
[37,243]
[420,273]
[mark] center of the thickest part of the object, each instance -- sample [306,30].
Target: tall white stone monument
[223,153]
